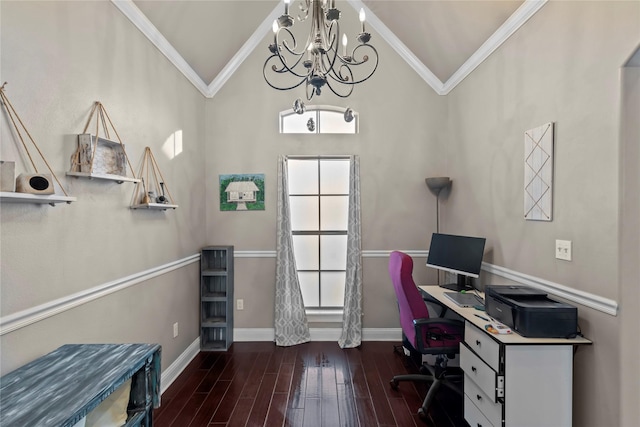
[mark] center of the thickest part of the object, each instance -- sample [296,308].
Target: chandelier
[318,63]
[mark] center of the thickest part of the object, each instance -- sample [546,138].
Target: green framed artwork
[242,192]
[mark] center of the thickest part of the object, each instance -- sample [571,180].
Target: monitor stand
[461,284]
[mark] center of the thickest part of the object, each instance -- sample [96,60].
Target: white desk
[510,380]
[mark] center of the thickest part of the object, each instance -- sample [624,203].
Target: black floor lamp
[436,185]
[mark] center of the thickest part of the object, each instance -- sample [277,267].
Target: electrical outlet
[240,304]
[175,329]
[563,249]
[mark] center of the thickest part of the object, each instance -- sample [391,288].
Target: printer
[530,312]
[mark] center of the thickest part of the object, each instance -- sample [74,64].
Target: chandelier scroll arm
[318,63]
[303,78]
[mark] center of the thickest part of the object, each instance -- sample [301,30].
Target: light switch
[563,249]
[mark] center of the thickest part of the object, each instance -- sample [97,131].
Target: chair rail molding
[365,254]
[20,319]
[596,302]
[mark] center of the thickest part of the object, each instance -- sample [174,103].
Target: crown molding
[506,30]
[511,25]
[256,38]
[135,15]
[402,50]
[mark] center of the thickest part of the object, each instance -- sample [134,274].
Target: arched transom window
[319,119]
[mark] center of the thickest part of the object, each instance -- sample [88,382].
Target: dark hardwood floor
[313,384]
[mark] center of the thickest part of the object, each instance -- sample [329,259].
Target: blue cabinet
[61,388]
[216,298]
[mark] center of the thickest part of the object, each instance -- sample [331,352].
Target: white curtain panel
[291,325]
[352,317]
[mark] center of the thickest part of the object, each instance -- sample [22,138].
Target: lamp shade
[437,184]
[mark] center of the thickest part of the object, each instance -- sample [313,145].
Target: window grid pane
[333,253]
[334,213]
[303,176]
[334,122]
[335,177]
[332,289]
[305,249]
[305,213]
[310,285]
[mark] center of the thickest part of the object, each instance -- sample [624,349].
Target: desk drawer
[483,345]
[474,416]
[480,373]
[490,409]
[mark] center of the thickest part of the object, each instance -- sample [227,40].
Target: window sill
[315,315]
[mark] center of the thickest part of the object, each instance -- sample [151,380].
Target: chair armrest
[431,300]
[419,324]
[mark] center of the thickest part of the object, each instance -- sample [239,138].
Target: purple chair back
[410,302]
[437,336]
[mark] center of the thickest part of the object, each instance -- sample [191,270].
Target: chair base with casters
[439,375]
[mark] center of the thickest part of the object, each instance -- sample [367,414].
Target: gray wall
[562,66]
[630,245]
[401,129]
[58,59]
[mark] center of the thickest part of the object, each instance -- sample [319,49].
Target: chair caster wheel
[422,414]
[394,384]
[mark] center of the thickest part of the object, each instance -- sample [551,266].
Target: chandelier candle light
[318,62]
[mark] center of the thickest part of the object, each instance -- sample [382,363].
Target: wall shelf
[154,206]
[11,197]
[118,178]
[26,182]
[100,157]
[152,191]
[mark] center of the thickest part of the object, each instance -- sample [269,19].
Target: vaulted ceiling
[443,40]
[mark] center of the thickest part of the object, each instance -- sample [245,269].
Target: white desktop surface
[469,314]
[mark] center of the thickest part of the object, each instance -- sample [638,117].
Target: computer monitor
[461,255]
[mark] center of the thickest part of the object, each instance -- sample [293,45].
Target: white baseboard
[318,334]
[175,369]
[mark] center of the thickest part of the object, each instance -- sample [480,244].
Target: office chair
[435,336]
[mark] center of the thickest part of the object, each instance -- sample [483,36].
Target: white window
[319,119]
[319,203]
